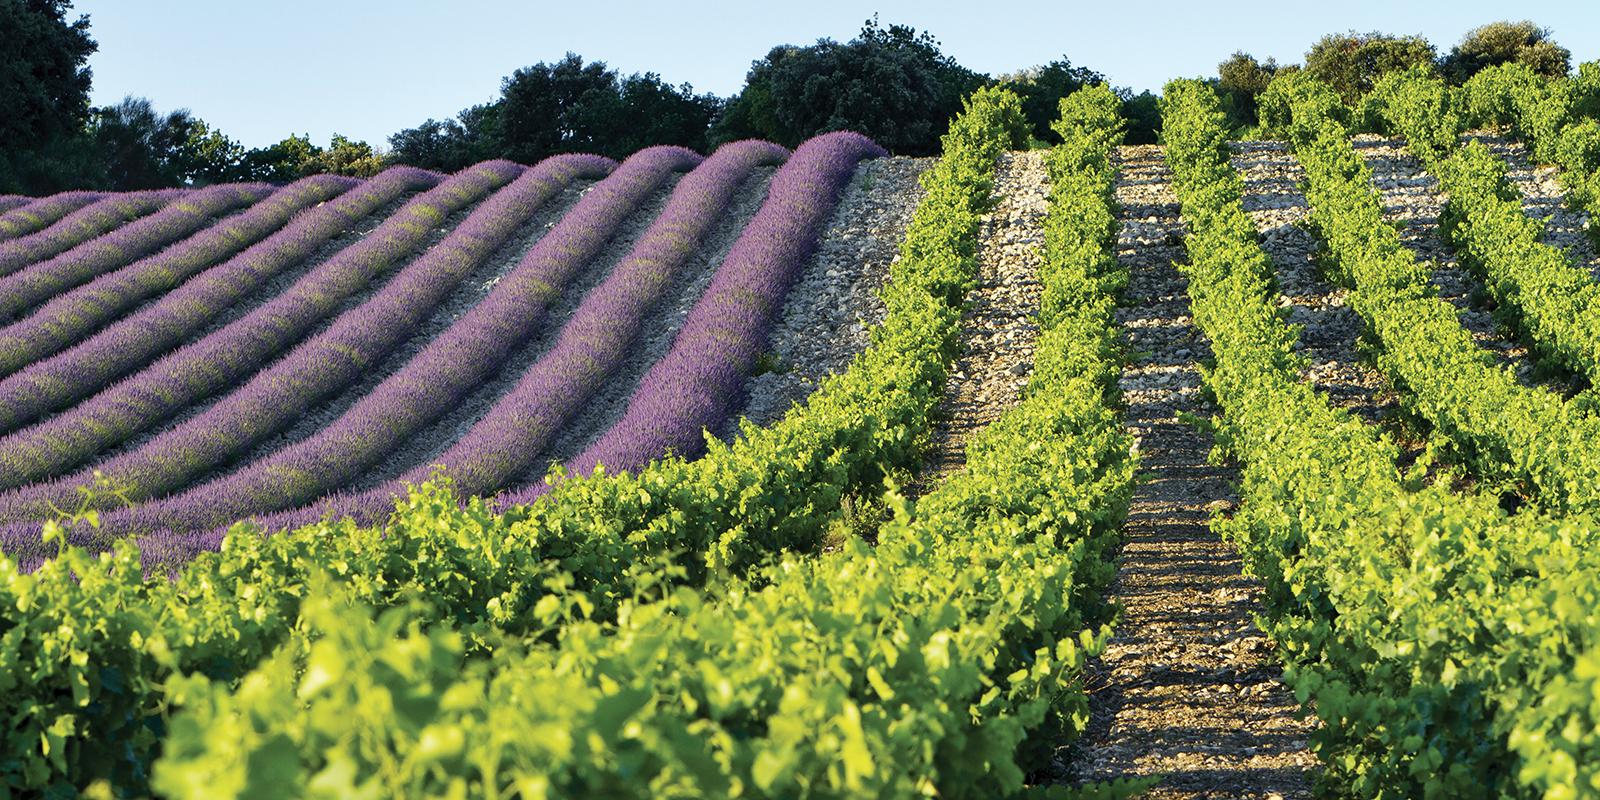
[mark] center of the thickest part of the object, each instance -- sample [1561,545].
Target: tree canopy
[890,83]
[1351,63]
[1502,43]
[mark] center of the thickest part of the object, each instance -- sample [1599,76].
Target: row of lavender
[123,376]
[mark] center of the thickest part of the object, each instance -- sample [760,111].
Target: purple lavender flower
[40,213]
[332,360]
[24,289]
[694,386]
[10,201]
[80,226]
[591,345]
[228,355]
[68,319]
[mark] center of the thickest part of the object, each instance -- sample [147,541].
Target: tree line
[1352,63]
[891,82]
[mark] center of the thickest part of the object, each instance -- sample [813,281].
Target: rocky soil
[1188,687]
[998,330]
[1413,199]
[827,314]
[1331,329]
[1543,198]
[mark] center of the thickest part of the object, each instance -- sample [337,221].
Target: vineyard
[1204,469]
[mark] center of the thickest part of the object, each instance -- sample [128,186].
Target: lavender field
[288,353]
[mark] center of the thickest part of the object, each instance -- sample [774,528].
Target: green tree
[1240,80]
[207,156]
[44,94]
[1506,42]
[1143,113]
[285,161]
[892,84]
[651,112]
[556,108]
[1042,89]
[346,157]
[139,147]
[1351,63]
[452,144]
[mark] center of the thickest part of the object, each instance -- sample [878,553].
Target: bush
[1351,63]
[1043,88]
[1506,43]
[892,84]
[1240,81]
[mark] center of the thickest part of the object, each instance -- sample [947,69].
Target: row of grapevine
[1556,118]
[1555,303]
[1448,647]
[1527,437]
[913,667]
[89,716]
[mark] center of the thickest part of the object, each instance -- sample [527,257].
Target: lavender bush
[71,317]
[228,355]
[23,290]
[590,346]
[39,213]
[695,385]
[331,361]
[305,471]
[81,226]
[10,201]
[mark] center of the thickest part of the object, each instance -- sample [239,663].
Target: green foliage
[891,84]
[1506,43]
[139,147]
[1043,88]
[1143,113]
[910,668]
[1446,645]
[1240,81]
[1554,304]
[44,88]
[1555,118]
[1351,63]
[570,107]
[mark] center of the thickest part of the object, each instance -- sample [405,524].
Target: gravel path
[1413,199]
[998,329]
[1188,687]
[827,315]
[1332,330]
[1543,198]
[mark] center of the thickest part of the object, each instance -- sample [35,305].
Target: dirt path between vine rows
[1413,200]
[998,331]
[1188,687]
[1544,199]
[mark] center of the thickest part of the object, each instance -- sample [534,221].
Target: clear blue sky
[367,68]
